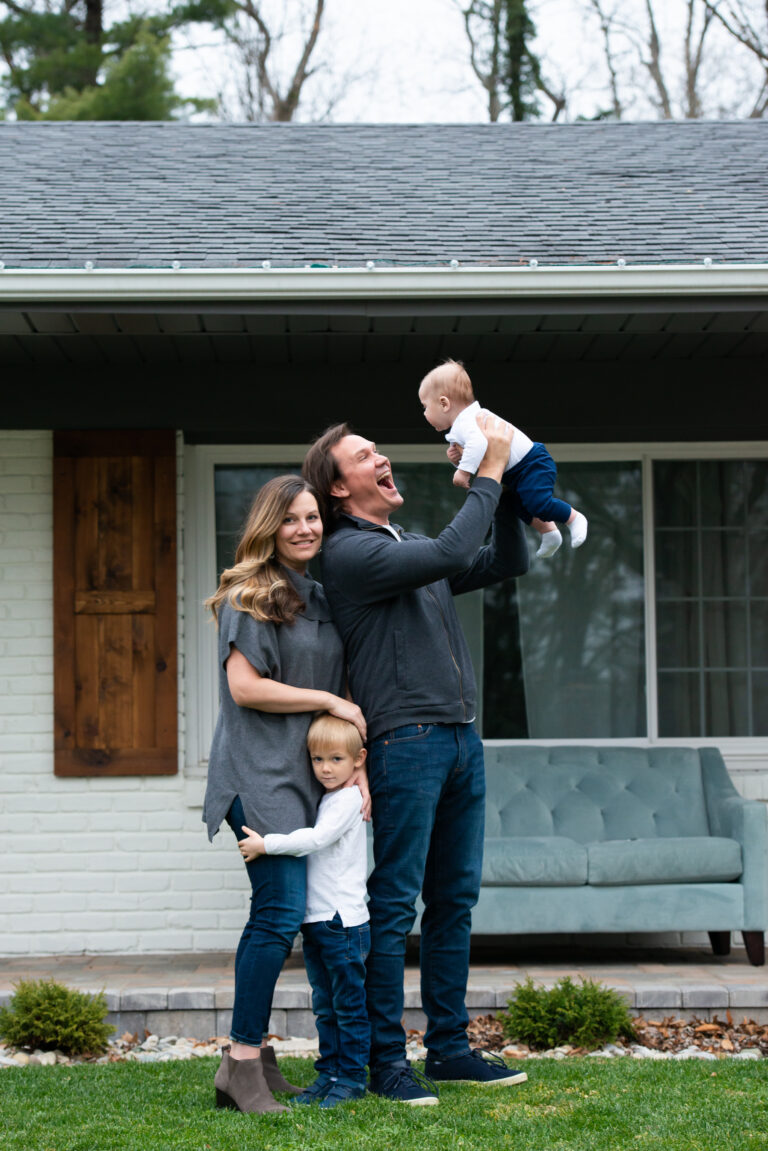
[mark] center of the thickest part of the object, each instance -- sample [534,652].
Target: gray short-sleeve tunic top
[262,756]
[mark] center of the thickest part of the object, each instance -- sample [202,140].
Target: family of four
[382,630]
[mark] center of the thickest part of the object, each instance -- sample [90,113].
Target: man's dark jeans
[334,956]
[427,783]
[278,900]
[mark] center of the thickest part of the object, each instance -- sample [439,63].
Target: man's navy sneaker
[474,1067]
[399,1081]
[316,1091]
[342,1091]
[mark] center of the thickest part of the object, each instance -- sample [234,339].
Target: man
[409,670]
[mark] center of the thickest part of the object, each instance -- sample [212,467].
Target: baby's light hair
[450,379]
[328,731]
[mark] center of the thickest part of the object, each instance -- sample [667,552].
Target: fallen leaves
[669,1034]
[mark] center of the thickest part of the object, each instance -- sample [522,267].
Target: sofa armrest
[746,821]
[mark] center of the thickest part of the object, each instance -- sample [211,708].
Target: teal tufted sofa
[621,839]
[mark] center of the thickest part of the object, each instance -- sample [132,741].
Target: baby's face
[436,412]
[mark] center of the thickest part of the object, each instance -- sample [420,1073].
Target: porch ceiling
[373,333]
[587,370]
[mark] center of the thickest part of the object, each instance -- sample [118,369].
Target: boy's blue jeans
[278,900]
[427,784]
[334,957]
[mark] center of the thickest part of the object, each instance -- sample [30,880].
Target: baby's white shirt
[465,432]
[338,859]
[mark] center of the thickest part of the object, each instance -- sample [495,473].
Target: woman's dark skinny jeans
[278,900]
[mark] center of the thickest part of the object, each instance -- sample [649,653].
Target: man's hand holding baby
[252,846]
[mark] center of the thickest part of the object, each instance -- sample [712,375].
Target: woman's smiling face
[300,534]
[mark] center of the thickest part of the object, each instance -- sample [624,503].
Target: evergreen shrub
[585,1014]
[46,1015]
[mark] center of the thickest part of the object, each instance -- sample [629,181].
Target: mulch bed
[719,1036]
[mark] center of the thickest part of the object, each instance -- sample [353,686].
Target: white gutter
[174,285]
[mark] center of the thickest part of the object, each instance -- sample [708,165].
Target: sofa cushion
[533,861]
[595,793]
[676,859]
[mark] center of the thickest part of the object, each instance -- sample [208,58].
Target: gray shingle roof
[224,195]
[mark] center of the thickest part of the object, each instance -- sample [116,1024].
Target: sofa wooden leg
[754,941]
[721,942]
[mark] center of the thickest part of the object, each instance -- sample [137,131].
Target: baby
[450,406]
[335,929]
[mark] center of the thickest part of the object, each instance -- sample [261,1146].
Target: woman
[280,660]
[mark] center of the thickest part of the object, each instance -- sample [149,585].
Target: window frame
[745,753]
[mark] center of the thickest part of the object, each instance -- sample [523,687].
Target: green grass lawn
[576,1103]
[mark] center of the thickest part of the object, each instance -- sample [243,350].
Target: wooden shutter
[115,603]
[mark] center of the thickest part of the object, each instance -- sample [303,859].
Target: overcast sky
[408,61]
[392,60]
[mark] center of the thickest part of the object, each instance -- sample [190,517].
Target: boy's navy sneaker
[316,1091]
[399,1081]
[342,1091]
[474,1067]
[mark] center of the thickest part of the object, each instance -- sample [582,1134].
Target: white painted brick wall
[95,865]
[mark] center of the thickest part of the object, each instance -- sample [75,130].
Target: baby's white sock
[578,529]
[550,542]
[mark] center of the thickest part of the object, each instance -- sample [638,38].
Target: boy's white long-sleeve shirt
[465,432]
[337,860]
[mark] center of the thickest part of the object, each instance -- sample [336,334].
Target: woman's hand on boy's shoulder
[359,778]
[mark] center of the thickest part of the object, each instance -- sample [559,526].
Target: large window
[711,536]
[656,629]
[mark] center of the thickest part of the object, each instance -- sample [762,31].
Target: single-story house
[182,307]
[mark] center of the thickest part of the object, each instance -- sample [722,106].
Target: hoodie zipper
[432,595]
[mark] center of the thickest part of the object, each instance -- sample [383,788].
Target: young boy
[449,405]
[336,930]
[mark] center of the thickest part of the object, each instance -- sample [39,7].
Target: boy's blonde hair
[450,379]
[328,731]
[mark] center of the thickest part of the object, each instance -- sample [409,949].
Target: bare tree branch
[489,77]
[653,64]
[559,99]
[260,90]
[606,29]
[290,102]
[693,58]
[738,25]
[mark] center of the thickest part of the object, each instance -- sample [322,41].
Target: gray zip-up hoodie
[392,601]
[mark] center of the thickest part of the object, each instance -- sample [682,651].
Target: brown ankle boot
[240,1084]
[276,1081]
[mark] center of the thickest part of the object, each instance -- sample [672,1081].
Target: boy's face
[436,407]
[334,766]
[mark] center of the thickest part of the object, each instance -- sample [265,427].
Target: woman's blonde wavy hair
[256,582]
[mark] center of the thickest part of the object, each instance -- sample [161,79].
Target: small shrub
[46,1015]
[585,1015]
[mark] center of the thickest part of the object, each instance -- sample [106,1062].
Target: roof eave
[47,285]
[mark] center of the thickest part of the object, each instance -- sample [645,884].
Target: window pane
[725,634]
[678,635]
[760,702]
[676,563]
[581,667]
[711,589]
[722,492]
[726,703]
[675,491]
[679,703]
[723,562]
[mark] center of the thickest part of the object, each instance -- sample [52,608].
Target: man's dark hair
[321,470]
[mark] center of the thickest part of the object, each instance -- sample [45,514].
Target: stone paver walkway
[192,994]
